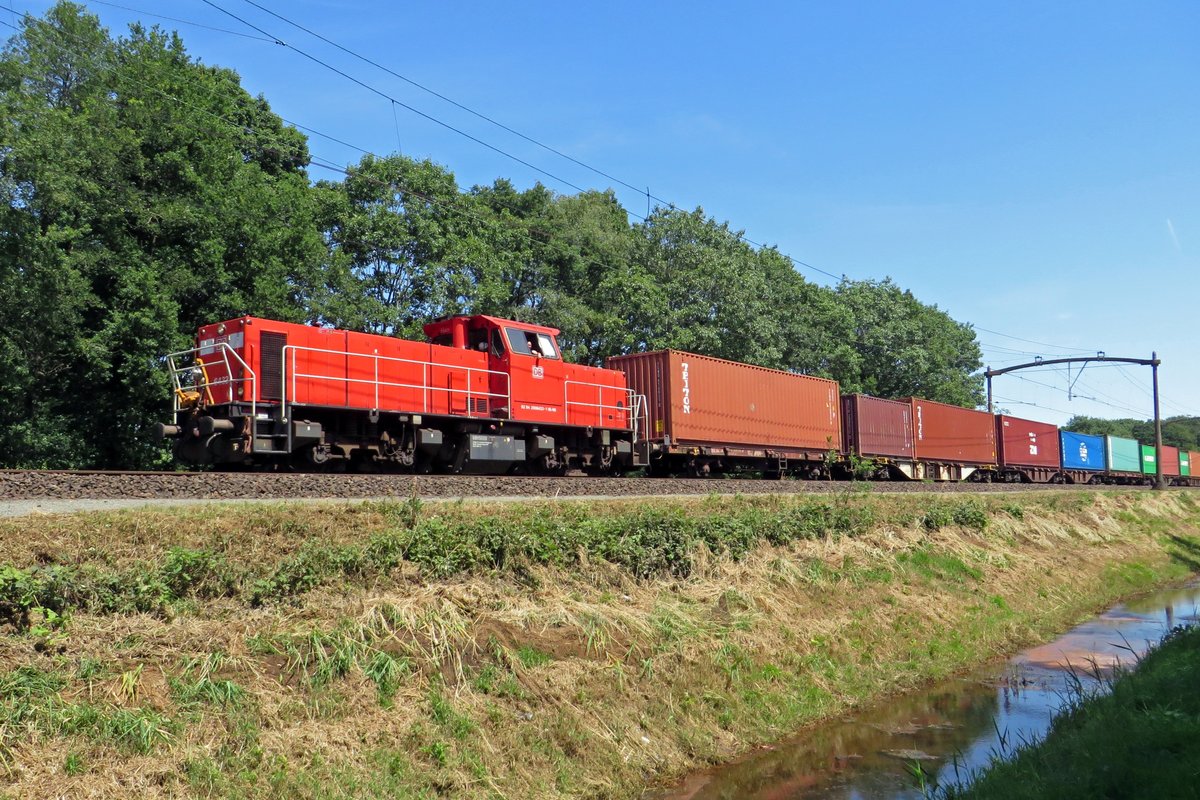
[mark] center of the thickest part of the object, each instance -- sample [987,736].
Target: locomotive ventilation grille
[272,364]
[479,405]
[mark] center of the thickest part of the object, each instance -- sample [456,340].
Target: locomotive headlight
[241,391]
[221,328]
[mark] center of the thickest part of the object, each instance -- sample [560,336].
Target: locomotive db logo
[539,372]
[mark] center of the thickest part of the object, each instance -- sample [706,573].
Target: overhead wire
[318,161]
[189,22]
[279,41]
[1082,397]
[649,195]
[459,105]
[394,101]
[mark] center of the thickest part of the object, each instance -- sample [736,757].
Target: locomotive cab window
[497,344]
[477,339]
[528,343]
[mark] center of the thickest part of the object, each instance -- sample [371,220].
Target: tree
[904,347]
[1181,431]
[146,194]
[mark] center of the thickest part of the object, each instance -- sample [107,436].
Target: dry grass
[535,681]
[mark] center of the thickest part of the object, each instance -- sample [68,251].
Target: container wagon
[1083,459]
[1124,460]
[881,432]
[1028,451]
[1170,461]
[952,443]
[1149,459]
[706,415]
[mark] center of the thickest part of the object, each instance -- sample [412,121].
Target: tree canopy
[1182,432]
[147,193]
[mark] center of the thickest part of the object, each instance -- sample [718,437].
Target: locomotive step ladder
[270,437]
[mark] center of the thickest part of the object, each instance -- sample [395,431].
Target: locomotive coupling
[164,431]
[203,427]
[209,425]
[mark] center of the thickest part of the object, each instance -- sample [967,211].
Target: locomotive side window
[477,339]
[497,344]
[528,343]
[518,342]
[546,345]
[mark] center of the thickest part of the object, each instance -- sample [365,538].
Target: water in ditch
[952,729]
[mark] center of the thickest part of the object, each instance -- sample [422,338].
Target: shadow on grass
[1184,550]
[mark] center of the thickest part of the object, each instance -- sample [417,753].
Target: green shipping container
[1149,462]
[1122,455]
[1185,463]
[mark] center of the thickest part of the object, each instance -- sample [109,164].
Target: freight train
[495,396]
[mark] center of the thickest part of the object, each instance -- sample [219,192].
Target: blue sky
[1031,168]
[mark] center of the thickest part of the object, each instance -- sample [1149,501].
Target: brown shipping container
[952,434]
[877,427]
[1026,443]
[1170,460]
[700,400]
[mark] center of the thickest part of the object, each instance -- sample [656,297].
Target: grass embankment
[1137,741]
[538,650]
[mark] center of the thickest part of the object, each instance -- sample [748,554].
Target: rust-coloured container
[877,427]
[1170,460]
[952,434]
[1027,443]
[700,400]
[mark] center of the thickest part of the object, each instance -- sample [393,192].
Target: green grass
[1139,740]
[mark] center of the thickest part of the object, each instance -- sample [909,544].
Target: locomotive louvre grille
[479,405]
[272,364]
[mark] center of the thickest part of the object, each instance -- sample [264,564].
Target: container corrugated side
[1149,461]
[1170,460]
[1082,451]
[1122,455]
[699,400]
[877,427]
[1026,442]
[1193,457]
[952,434]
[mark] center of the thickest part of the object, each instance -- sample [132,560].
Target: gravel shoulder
[47,492]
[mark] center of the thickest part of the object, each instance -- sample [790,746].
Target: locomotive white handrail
[206,385]
[641,410]
[599,403]
[425,386]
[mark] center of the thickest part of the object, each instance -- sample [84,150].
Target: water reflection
[951,730]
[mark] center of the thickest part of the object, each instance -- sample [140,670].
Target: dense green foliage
[1138,741]
[1181,432]
[147,193]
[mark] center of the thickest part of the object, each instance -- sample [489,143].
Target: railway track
[111,485]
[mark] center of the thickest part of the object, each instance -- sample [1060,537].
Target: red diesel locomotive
[482,395]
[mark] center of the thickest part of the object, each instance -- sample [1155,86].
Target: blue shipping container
[1081,451]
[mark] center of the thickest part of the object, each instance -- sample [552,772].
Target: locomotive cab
[525,365]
